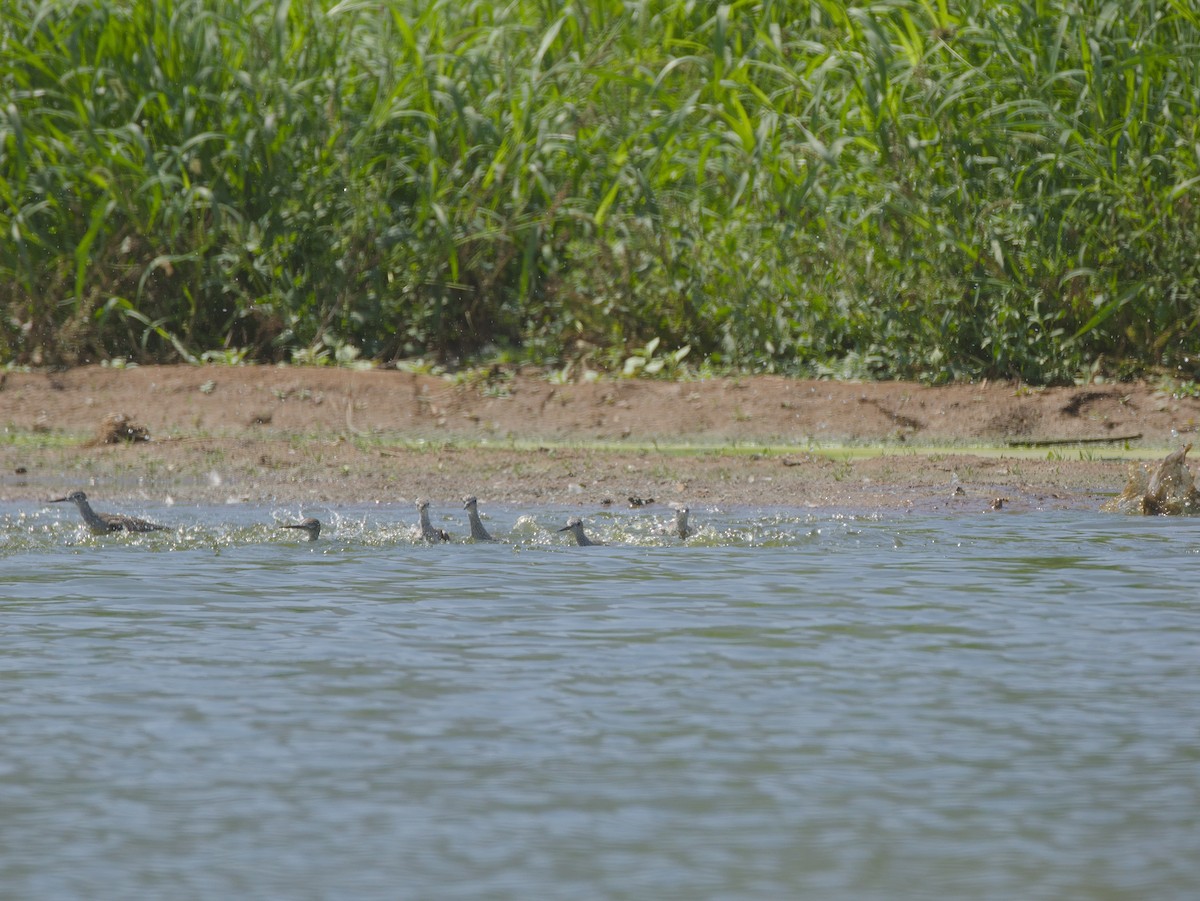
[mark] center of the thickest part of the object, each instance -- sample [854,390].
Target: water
[793,705]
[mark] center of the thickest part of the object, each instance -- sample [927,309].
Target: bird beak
[564,529]
[57,500]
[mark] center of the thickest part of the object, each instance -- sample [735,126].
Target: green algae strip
[1035,449]
[1083,451]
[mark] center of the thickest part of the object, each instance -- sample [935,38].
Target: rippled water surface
[789,705]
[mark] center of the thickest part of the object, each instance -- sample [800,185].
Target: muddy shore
[335,436]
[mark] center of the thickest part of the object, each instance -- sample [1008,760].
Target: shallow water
[790,705]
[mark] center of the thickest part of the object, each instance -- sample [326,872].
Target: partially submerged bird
[1169,489]
[478,532]
[310,525]
[1171,476]
[428,531]
[681,527]
[100,523]
[575,527]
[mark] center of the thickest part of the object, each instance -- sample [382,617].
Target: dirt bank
[339,436]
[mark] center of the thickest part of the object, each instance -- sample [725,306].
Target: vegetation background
[901,188]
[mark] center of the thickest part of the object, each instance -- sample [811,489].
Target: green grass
[903,188]
[835,450]
[842,452]
[39,440]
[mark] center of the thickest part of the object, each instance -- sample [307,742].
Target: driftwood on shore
[117,428]
[1164,489]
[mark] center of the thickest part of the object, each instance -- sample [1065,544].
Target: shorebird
[1169,472]
[681,527]
[310,525]
[428,531]
[107,522]
[478,532]
[575,527]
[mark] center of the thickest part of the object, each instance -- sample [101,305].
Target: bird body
[575,527]
[101,523]
[681,527]
[1169,472]
[310,525]
[478,532]
[429,532]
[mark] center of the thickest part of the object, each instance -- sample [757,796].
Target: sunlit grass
[392,443]
[835,450]
[41,440]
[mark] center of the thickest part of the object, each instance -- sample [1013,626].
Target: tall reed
[902,188]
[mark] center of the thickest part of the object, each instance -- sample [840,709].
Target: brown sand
[295,435]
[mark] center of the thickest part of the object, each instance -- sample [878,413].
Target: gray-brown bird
[429,532]
[310,525]
[100,523]
[478,532]
[575,527]
[681,527]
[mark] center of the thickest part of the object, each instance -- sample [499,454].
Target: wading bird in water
[429,532]
[101,523]
[310,525]
[575,527]
[478,532]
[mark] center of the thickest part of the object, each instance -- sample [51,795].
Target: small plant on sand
[646,361]
[227,356]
